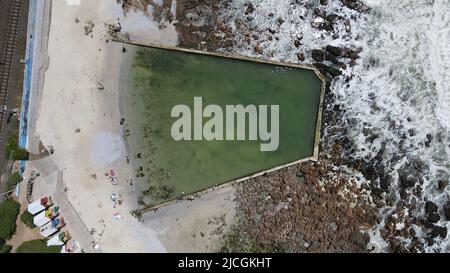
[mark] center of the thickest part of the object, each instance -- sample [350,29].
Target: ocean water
[401,95]
[396,99]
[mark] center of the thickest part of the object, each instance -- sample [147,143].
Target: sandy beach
[79,116]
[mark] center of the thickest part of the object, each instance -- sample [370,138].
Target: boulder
[355,5]
[407,181]
[336,51]
[430,207]
[258,49]
[250,9]
[322,24]
[434,217]
[438,231]
[446,210]
[426,223]
[442,185]
[333,72]
[318,55]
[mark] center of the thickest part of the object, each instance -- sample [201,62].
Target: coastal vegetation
[13,151]
[4,248]
[14,179]
[27,219]
[9,210]
[37,246]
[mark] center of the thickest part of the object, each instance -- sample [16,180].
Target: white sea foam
[405,89]
[400,90]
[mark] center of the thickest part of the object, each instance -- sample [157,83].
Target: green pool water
[160,79]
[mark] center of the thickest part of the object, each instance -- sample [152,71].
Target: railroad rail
[6,57]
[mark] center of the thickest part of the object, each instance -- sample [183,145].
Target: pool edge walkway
[317,134]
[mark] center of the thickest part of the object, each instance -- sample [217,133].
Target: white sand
[72,101]
[106,148]
[83,125]
[191,226]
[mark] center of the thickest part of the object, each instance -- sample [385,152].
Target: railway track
[6,57]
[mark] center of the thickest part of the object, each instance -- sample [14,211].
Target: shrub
[27,219]
[13,180]
[8,216]
[37,246]
[13,151]
[19,154]
[5,249]
[11,145]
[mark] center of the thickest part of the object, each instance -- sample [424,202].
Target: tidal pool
[161,79]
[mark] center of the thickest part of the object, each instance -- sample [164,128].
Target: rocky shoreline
[274,215]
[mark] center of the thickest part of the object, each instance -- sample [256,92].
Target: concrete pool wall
[314,156]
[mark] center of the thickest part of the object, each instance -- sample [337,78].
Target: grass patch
[27,219]
[13,151]
[37,246]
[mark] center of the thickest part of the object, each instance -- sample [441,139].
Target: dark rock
[297,43]
[438,231]
[348,26]
[426,223]
[332,18]
[355,5]
[320,13]
[446,210]
[429,140]
[250,9]
[331,58]
[434,217]
[430,207]
[318,55]
[407,181]
[258,49]
[333,72]
[336,51]
[324,2]
[442,185]
[228,43]
[301,57]
[280,21]
[323,25]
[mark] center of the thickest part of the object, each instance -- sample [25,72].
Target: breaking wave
[397,105]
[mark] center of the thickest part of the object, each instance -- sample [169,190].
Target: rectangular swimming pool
[160,79]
